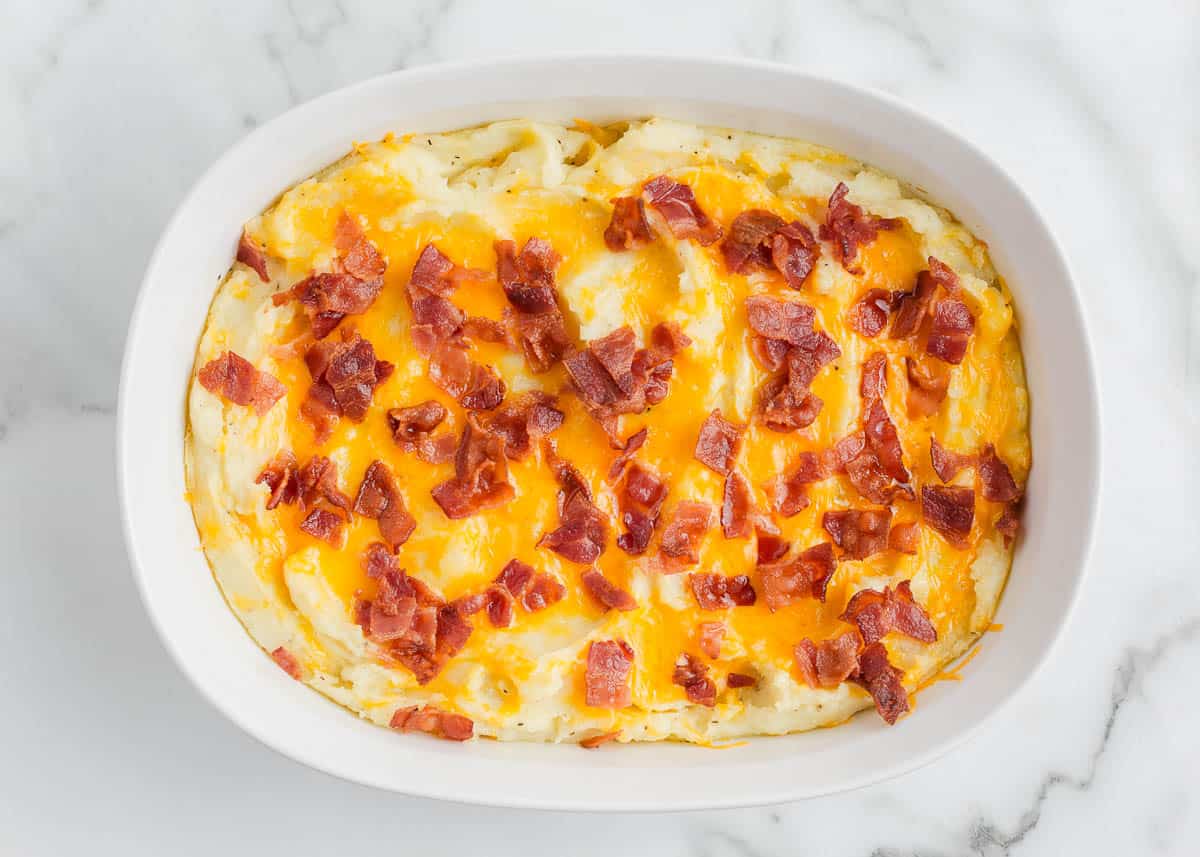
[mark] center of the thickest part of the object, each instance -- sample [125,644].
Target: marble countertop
[109,112]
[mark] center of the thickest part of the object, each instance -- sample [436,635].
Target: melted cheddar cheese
[516,180]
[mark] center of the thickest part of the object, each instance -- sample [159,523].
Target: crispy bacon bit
[287,661]
[485,391]
[717,445]
[912,307]
[1009,523]
[433,721]
[628,227]
[515,577]
[770,547]
[789,491]
[878,613]
[594,741]
[950,510]
[582,532]
[252,256]
[736,680]
[790,341]
[412,430]
[869,315]
[905,538]
[379,498]
[528,282]
[828,663]
[524,419]
[883,681]
[737,505]
[874,377]
[682,536]
[632,444]
[327,298]
[678,207]
[711,634]
[609,663]
[543,591]
[946,464]
[480,474]
[692,675]
[280,476]
[806,576]
[345,375]
[928,381]
[762,239]
[884,441]
[640,502]
[849,228]
[794,252]
[951,331]
[773,318]
[998,483]
[607,594]
[498,604]
[235,379]
[716,591]
[858,532]
[324,524]
[359,256]
[317,481]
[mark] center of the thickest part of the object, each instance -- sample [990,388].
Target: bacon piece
[628,227]
[345,375]
[524,419]
[788,321]
[582,532]
[912,307]
[878,613]
[324,524]
[718,442]
[484,329]
[858,532]
[867,476]
[606,676]
[528,282]
[379,498]
[485,390]
[794,253]
[946,464]
[998,483]
[682,536]
[515,577]
[950,510]
[359,256]
[905,538]
[884,441]
[692,675]
[412,430]
[748,243]
[849,228]
[711,634]
[640,502]
[632,444]
[770,547]
[740,680]
[433,721]
[607,594]
[286,660]
[1009,523]
[317,481]
[883,681]
[677,204]
[498,604]
[737,504]
[951,331]
[594,741]
[869,314]
[828,663]
[806,576]
[252,256]
[235,379]
[789,493]
[280,476]
[543,591]
[874,377]
[327,298]
[716,591]
[480,474]
[928,381]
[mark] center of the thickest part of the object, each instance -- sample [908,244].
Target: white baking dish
[224,663]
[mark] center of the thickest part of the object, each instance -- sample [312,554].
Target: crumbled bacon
[737,506]
[252,256]
[769,546]
[640,501]
[883,681]
[287,662]
[317,481]
[858,532]
[912,307]
[736,680]
[329,297]
[951,331]
[718,443]
[997,480]
[806,576]
[849,228]
[683,534]
[379,498]
[950,510]
[325,525]
[524,419]
[884,441]
[794,252]
[928,381]
[1009,522]
[946,464]
[874,377]
[594,741]
[345,375]
[628,227]
[515,577]
[761,238]
[528,282]
[789,341]
[543,591]
[716,591]
[582,530]
[869,315]
[606,593]
[359,256]
[677,205]
[412,430]
[480,474]
[828,663]
[606,676]
[773,318]
[234,378]
[692,675]
[632,444]
[433,721]
[905,537]
[710,636]
[280,476]
[878,613]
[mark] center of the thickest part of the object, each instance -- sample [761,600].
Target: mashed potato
[516,180]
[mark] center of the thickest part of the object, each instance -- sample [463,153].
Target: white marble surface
[108,112]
